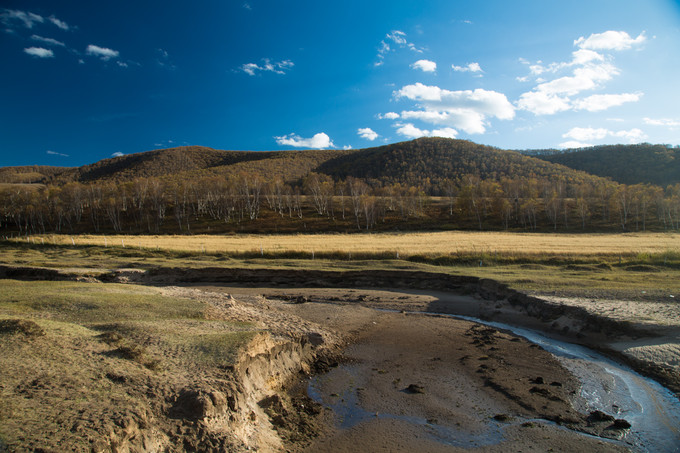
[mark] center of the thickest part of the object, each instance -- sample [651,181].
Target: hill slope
[430,160]
[627,164]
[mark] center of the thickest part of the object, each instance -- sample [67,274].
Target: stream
[652,410]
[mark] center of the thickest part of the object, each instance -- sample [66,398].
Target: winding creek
[652,410]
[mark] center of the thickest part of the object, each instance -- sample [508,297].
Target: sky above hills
[83,81]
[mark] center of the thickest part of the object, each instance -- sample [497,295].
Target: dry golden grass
[406,244]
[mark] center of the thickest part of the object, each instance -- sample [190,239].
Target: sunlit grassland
[387,244]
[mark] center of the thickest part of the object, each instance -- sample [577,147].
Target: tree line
[249,202]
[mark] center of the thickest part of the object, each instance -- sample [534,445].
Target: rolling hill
[627,164]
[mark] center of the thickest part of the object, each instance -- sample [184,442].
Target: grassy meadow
[388,244]
[634,265]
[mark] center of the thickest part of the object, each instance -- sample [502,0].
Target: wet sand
[419,382]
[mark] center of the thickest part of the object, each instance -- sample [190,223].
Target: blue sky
[83,81]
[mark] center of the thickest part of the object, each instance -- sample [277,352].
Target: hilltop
[627,164]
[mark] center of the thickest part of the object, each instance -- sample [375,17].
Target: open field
[406,244]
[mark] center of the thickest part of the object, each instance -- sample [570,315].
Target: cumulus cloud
[39,52]
[581,134]
[609,40]
[28,19]
[48,41]
[117,154]
[388,116]
[367,133]
[541,103]
[267,65]
[408,130]
[101,52]
[394,39]
[571,144]
[318,141]
[467,110]
[425,65]
[470,67]
[588,70]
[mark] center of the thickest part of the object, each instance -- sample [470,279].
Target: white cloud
[467,110]
[50,41]
[318,141]
[598,102]
[388,116]
[54,153]
[29,19]
[581,134]
[574,144]
[586,133]
[101,52]
[408,130]
[541,103]
[609,40]
[347,147]
[118,154]
[425,65]
[667,122]
[394,38]
[122,64]
[367,133]
[590,70]
[470,67]
[633,136]
[39,52]
[277,67]
[59,23]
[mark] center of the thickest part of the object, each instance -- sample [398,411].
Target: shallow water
[652,410]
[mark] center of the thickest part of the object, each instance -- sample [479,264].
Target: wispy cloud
[54,153]
[48,41]
[367,133]
[394,39]
[589,70]
[103,53]
[425,65]
[665,122]
[277,67]
[11,16]
[59,23]
[39,52]
[318,141]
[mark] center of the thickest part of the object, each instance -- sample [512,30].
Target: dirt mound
[21,326]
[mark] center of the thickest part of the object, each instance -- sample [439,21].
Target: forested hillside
[429,183]
[428,162]
[627,164]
